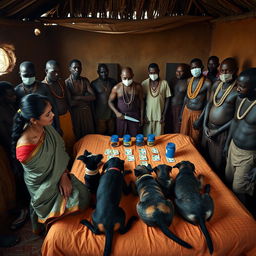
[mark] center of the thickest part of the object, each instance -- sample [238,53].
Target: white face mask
[28,80]
[153,77]
[196,72]
[226,77]
[127,82]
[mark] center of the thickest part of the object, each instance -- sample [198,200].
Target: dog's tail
[163,227]
[206,234]
[108,243]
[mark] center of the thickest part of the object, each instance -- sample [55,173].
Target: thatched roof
[122,9]
[123,16]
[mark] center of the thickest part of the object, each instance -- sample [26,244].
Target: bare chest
[103,88]
[78,87]
[57,90]
[180,88]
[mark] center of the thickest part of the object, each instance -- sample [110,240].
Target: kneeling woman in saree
[40,149]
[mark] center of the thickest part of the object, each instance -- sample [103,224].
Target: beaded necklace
[154,91]
[225,94]
[53,92]
[126,95]
[239,117]
[193,95]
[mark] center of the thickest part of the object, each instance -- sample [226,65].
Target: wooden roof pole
[20,7]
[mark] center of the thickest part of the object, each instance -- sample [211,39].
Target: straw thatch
[122,9]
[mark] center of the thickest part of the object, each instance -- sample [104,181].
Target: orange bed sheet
[232,228]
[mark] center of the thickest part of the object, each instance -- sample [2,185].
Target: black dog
[196,208]
[153,208]
[163,178]
[108,216]
[92,175]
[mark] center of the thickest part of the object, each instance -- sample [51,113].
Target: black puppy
[153,208]
[108,216]
[195,207]
[92,175]
[163,178]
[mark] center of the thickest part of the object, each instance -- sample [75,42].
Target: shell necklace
[239,117]
[225,94]
[193,95]
[126,95]
[154,91]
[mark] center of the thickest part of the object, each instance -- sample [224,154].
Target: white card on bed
[131,158]
[128,151]
[170,160]
[154,150]
[155,158]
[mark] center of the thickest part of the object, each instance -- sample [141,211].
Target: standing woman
[40,149]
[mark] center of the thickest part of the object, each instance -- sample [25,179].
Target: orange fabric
[232,228]
[188,118]
[68,133]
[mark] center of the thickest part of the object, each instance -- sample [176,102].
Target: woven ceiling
[31,10]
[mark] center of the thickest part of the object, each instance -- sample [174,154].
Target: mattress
[232,228]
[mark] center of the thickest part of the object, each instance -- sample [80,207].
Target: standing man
[212,73]
[157,94]
[197,94]
[241,163]
[81,97]
[130,103]
[31,85]
[219,113]
[59,92]
[178,88]
[102,87]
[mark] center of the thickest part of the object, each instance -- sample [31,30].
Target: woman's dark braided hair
[31,106]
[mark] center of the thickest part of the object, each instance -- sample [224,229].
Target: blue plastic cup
[114,140]
[127,142]
[151,140]
[170,150]
[140,140]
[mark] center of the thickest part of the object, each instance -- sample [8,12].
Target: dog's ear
[82,158]
[177,165]
[193,167]
[137,172]
[99,157]
[169,168]
[149,168]
[87,153]
[155,170]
